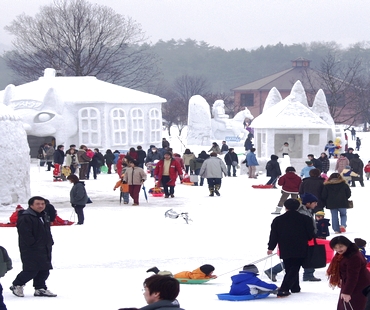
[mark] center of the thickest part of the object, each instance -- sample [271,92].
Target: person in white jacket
[213,170]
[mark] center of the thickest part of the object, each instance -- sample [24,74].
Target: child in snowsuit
[125,194]
[367,170]
[330,147]
[246,282]
[361,243]
[322,225]
[347,174]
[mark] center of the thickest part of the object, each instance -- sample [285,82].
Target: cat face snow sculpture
[51,117]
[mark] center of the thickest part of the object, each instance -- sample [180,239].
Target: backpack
[5,262]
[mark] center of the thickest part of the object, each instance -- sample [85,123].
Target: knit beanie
[291,204]
[360,242]
[308,198]
[320,213]
[19,207]
[251,268]
[207,269]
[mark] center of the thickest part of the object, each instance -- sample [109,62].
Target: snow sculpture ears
[320,107]
[8,94]
[299,93]
[53,102]
[273,98]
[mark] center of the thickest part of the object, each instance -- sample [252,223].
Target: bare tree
[80,38]
[343,84]
[175,110]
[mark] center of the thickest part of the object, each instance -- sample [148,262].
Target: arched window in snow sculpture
[89,121]
[155,125]
[137,126]
[119,127]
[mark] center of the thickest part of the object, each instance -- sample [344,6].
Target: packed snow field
[102,264]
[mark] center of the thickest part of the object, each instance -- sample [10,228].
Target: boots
[217,187]
[277,211]
[153,269]
[211,190]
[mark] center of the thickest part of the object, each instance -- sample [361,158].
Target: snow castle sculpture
[202,128]
[15,177]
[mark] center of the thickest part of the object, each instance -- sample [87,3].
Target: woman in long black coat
[335,195]
[358,167]
[78,197]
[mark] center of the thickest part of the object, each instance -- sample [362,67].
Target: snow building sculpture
[272,98]
[307,130]
[14,150]
[85,110]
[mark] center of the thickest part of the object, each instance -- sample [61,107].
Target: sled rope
[255,262]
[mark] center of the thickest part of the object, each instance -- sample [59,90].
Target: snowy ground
[102,264]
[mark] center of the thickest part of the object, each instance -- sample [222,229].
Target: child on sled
[246,282]
[203,272]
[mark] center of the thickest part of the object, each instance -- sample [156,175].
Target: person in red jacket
[14,217]
[367,170]
[166,172]
[290,183]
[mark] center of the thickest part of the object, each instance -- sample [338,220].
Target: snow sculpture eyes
[43,117]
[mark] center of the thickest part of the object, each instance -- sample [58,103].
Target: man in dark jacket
[358,167]
[317,163]
[160,292]
[273,170]
[291,231]
[35,245]
[140,156]
[59,155]
[231,160]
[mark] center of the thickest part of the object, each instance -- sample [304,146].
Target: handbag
[235,163]
[350,204]
[316,256]
[88,200]
[194,178]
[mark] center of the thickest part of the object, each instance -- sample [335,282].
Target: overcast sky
[231,24]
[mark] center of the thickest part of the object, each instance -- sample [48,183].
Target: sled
[66,223]
[157,194]
[263,186]
[7,225]
[241,297]
[192,281]
[188,183]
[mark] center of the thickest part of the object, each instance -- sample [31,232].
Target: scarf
[333,271]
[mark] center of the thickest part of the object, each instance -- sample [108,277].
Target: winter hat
[290,169]
[291,204]
[308,198]
[19,207]
[308,162]
[251,268]
[348,167]
[360,242]
[207,269]
[320,213]
[165,273]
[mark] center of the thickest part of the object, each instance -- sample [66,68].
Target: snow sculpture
[15,177]
[298,93]
[320,107]
[273,98]
[223,127]
[199,121]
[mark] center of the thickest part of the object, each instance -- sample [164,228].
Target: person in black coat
[273,170]
[35,245]
[325,163]
[78,197]
[358,167]
[59,155]
[231,158]
[314,185]
[141,154]
[291,231]
[317,163]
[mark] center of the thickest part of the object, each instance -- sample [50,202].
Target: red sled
[263,186]
[7,225]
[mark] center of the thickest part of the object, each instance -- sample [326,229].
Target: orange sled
[263,186]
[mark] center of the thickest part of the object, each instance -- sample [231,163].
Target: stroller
[174,215]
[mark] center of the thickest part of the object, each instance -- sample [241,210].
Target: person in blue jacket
[246,282]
